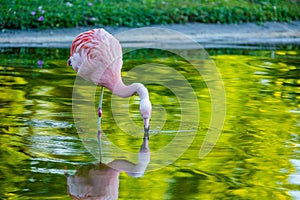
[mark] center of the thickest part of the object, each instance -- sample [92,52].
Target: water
[256,156]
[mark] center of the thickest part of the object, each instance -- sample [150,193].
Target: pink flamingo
[97,56]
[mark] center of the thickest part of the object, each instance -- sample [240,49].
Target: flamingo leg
[99,122]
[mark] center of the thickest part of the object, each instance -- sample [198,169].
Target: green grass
[20,14]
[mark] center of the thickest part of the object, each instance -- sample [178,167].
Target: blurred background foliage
[44,14]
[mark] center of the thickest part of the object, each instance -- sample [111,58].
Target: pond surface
[257,156]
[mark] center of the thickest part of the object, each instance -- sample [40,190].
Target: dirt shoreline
[248,35]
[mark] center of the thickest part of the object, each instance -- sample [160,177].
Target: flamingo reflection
[101,181]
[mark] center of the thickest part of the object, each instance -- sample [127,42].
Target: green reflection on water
[252,159]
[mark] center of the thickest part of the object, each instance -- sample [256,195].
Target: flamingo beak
[146,127]
[146,132]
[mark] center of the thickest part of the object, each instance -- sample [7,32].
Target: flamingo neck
[125,91]
[145,105]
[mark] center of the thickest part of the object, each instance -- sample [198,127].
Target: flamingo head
[145,110]
[145,106]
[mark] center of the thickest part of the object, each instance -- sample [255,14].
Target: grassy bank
[19,14]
